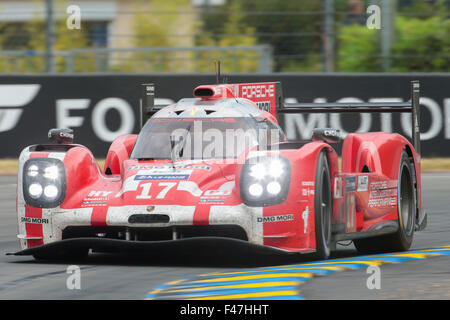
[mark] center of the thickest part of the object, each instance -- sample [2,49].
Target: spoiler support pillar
[415,118]
[147,102]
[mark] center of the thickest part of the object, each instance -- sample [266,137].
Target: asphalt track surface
[133,277]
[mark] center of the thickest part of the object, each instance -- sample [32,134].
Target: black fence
[100,107]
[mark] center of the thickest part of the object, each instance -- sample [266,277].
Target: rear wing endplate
[379,107]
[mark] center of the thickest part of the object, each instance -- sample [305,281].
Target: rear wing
[379,107]
[268,96]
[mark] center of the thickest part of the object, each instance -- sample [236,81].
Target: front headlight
[44,182]
[265,181]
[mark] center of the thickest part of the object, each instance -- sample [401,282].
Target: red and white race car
[217,167]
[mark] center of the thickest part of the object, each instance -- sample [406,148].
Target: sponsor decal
[213,193]
[34,220]
[305,217]
[219,195]
[93,204]
[161,176]
[280,218]
[258,91]
[382,202]
[350,184]
[383,185]
[383,194]
[265,105]
[212,201]
[363,183]
[170,168]
[96,199]
[161,173]
[308,189]
[94,193]
[337,187]
[331,133]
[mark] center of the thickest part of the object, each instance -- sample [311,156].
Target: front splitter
[206,245]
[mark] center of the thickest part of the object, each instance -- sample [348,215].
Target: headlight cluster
[265,181]
[44,182]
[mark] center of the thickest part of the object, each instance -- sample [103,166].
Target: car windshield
[196,138]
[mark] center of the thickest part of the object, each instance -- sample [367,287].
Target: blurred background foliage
[293,29]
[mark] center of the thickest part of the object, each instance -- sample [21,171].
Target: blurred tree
[161,30]
[236,32]
[421,45]
[359,49]
[421,41]
[30,37]
[293,28]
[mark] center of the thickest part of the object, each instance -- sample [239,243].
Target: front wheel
[406,203]
[323,208]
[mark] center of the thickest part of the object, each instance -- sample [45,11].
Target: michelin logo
[12,98]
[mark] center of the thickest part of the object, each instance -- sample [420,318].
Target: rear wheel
[323,208]
[406,203]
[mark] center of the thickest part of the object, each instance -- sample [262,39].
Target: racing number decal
[188,186]
[145,194]
[168,186]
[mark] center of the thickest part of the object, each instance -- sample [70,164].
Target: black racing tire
[66,255]
[323,209]
[406,202]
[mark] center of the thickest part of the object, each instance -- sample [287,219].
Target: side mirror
[60,136]
[327,135]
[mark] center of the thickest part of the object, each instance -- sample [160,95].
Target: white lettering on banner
[436,120]
[63,107]
[98,118]
[366,118]
[386,118]
[447,118]
[296,122]
[14,96]
[64,120]
[299,126]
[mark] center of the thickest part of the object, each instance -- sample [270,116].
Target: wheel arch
[415,165]
[119,151]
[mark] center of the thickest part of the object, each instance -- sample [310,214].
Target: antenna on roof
[218,71]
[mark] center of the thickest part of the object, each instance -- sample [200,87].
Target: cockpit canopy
[204,137]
